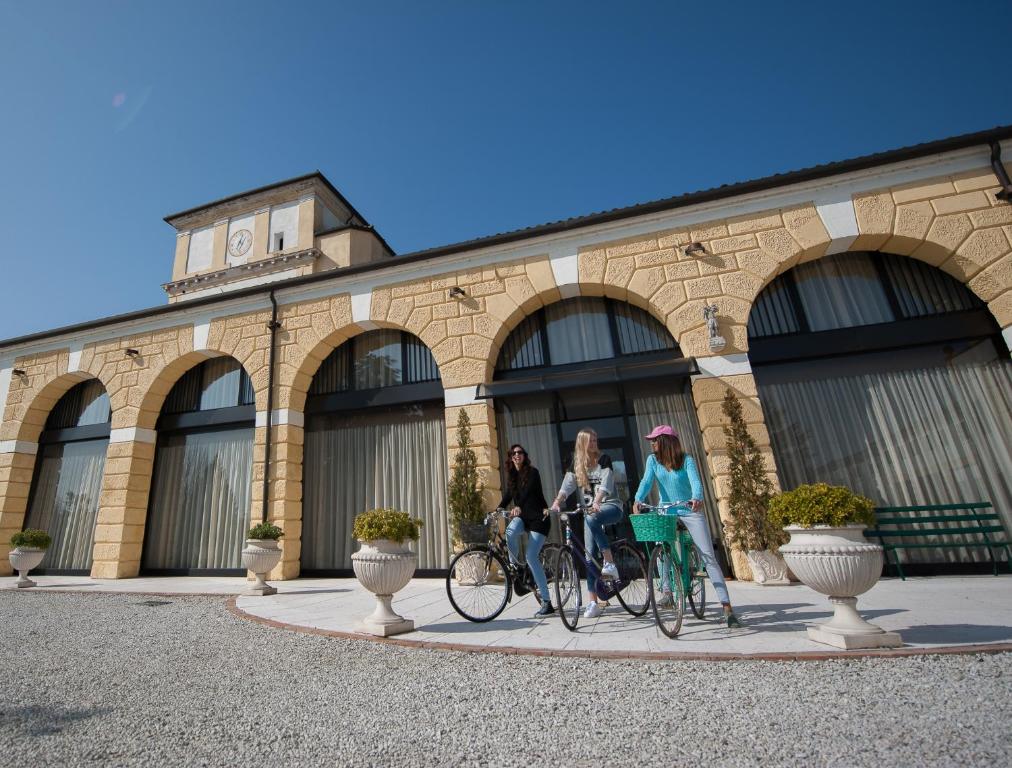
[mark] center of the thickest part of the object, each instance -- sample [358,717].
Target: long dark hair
[669,451]
[513,477]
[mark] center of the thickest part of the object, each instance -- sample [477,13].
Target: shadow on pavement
[955,634]
[33,721]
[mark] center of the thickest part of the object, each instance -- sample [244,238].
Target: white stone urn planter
[261,556]
[384,567]
[24,559]
[840,563]
[768,568]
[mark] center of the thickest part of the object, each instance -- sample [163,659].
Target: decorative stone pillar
[483,442]
[17,463]
[123,505]
[284,505]
[717,375]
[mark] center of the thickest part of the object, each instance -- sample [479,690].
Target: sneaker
[547,609]
[733,622]
[593,610]
[666,600]
[609,571]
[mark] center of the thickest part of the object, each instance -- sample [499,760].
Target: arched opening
[599,363]
[375,436]
[68,477]
[199,510]
[884,374]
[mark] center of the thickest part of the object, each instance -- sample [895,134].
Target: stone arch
[42,401]
[141,409]
[637,293]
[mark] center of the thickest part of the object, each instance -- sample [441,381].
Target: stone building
[862,310]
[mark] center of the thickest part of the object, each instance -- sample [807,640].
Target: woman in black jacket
[523,491]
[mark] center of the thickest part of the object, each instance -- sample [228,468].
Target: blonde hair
[583,457]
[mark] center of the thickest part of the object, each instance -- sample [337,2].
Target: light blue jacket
[674,484]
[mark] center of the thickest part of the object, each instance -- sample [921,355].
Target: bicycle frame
[603,589]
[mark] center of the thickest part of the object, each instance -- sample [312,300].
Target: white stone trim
[840,219]
[19,446]
[5,386]
[460,396]
[722,365]
[1006,334]
[201,330]
[74,363]
[565,265]
[282,416]
[361,307]
[132,435]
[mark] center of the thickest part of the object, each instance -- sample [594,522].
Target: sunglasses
[518,453]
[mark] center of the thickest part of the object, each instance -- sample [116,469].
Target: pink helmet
[663,429]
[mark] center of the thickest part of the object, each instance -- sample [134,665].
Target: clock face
[240,242]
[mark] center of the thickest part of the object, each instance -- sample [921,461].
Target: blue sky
[440,121]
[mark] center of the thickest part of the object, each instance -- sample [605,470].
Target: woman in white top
[592,476]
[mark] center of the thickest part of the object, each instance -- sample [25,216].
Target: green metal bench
[971,519]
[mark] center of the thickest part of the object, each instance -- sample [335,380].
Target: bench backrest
[953,520]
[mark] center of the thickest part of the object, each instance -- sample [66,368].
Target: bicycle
[676,566]
[482,579]
[630,587]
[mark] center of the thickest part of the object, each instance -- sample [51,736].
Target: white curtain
[929,435]
[363,460]
[200,500]
[65,501]
[842,291]
[578,330]
[653,406]
[529,422]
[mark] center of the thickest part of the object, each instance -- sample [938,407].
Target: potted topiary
[385,564]
[261,555]
[750,529]
[829,553]
[30,547]
[463,492]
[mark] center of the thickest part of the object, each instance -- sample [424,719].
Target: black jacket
[531,500]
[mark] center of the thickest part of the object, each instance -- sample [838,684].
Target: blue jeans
[594,538]
[695,523]
[535,541]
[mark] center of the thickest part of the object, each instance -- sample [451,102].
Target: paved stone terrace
[930,613]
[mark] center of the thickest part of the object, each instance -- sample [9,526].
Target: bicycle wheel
[667,595]
[478,584]
[697,585]
[633,588]
[566,585]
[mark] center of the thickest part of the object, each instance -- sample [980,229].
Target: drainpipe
[999,171]
[273,325]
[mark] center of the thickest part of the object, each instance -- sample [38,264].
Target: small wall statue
[717,342]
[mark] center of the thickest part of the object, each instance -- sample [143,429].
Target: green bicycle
[675,569]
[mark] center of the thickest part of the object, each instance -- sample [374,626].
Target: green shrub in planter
[265,531]
[821,504]
[386,524]
[31,537]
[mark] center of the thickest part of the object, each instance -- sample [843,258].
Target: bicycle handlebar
[664,508]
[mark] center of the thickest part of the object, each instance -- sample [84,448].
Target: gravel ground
[137,680]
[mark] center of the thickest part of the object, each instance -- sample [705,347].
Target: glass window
[375,359]
[773,312]
[523,347]
[84,404]
[578,330]
[218,383]
[638,331]
[841,291]
[923,290]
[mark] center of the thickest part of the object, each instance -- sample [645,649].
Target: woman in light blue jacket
[678,480]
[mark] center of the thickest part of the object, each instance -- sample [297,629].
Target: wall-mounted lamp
[694,248]
[20,373]
[131,352]
[456,291]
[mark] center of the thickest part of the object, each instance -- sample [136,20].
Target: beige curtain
[65,501]
[200,500]
[927,435]
[361,460]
